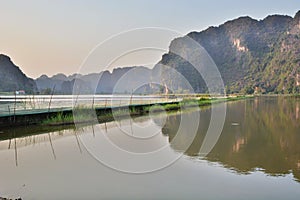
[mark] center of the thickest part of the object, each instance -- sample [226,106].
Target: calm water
[256,157]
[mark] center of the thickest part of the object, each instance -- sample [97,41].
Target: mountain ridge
[101,83]
[253,56]
[12,79]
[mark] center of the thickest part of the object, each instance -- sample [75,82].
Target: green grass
[88,115]
[59,119]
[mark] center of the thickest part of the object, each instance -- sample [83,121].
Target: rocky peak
[44,76]
[60,76]
[297,16]
[12,78]
[4,58]
[276,22]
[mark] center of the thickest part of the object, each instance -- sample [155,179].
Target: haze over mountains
[252,56]
[100,83]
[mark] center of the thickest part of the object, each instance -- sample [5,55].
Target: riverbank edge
[87,115]
[134,111]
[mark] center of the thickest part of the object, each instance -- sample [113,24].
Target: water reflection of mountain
[261,133]
[258,133]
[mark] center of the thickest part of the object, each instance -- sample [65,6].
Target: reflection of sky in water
[57,165]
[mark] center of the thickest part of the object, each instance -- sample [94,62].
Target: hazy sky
[47,37]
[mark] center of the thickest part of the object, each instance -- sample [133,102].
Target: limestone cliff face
[251,55]
[13,79]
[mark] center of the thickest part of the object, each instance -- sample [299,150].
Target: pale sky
[56,36]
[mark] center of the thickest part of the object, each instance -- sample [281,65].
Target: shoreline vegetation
[88,115]
[84,115]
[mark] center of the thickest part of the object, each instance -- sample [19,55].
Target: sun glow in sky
[53,36]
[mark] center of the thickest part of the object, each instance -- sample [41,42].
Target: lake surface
[257,156]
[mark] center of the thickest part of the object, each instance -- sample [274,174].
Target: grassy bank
[84,115]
